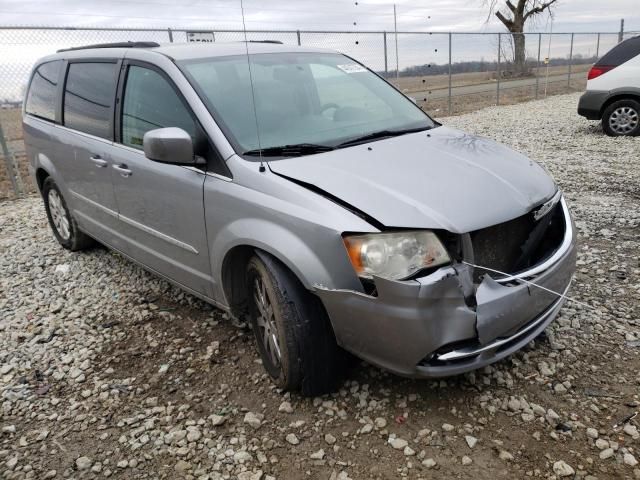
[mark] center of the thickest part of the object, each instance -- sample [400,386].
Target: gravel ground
[107,371]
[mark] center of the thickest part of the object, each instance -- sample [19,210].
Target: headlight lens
[396,255]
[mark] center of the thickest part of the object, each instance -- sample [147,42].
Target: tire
[302,354]
[62,223]
[622,118]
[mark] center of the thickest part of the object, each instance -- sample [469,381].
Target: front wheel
[293,333]
[622,118]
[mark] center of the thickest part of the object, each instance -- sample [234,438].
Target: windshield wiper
[381,134]
[293,150]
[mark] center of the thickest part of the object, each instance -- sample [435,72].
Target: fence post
[170,35]
[546,76]
[570,62]
[498,73]
[598,47]
[386,63]
[538,64]
[449,73]
[298,35]
[395,28]
[8,162]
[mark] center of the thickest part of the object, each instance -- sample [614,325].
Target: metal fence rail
[446,73]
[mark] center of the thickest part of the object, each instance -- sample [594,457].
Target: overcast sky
[418,15]
[20,48]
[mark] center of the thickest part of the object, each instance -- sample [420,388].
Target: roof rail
[277,42]
[113,45]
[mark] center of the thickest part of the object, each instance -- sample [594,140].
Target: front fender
[276,240]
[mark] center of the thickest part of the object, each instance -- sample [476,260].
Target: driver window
[149,103]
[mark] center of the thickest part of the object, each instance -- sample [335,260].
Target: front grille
[518,244]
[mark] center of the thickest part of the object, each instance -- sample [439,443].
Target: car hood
[441,178]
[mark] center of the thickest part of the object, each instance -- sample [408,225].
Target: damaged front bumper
[426,328]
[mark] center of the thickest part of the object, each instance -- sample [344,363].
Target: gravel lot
[107,371]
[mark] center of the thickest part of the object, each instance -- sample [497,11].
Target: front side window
[150,102]
[41,98]
[300,98]
[88,95]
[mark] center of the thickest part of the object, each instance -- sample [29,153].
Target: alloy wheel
[59,215]
[624,120]
[266,322]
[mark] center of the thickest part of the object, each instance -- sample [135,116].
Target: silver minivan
[296,188]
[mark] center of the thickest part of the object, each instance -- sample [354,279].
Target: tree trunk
[519,53]
[514,20]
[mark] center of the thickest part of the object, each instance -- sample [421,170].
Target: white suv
[613,90]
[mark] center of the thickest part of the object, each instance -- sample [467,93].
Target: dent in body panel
[410,320]
[503,309]
[407,320]
[498,183]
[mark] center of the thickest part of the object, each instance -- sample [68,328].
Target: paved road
[490,87]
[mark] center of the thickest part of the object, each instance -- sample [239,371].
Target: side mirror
[169,145]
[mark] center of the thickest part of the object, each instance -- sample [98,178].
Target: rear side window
[88,96]
[41,99]
[621,53]
[150,102]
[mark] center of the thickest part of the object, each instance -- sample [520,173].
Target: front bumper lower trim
[462,353]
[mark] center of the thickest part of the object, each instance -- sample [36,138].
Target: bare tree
[514,18]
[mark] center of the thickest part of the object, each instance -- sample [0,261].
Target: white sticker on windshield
[352,68]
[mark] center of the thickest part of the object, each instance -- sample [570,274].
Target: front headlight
[396,255]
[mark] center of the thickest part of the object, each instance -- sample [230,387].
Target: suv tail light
[598,70]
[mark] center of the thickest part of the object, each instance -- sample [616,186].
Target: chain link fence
[446,73]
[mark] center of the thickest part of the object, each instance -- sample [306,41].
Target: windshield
[301,98]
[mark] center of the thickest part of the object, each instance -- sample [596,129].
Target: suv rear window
[88,97]
[41,99]
[621,53]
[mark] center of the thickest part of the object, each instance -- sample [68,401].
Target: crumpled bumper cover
[424,327]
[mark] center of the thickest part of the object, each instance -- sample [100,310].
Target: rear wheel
[292,330]
[622,118]
[63,224]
